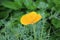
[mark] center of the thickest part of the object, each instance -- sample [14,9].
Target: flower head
[30,18]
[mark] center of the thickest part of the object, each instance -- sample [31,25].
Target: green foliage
[55,3]
[56,23]
[48,28]
[29,4]
[11,5]
[42,5]
[4,14]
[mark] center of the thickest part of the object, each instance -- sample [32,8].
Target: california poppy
[30,18]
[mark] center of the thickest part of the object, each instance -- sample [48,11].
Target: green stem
[42,29]
[34,30]
[41,36]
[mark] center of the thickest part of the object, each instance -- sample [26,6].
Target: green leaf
[42,5]
[56,1]
[4,14]
[57,32]
[19,2]
[56,35]
[29,4]
[11,5]
[56,23]
[0,23]
[2,37]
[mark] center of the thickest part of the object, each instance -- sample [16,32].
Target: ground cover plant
[29,19]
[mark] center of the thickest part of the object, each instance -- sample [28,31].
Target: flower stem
[34,30]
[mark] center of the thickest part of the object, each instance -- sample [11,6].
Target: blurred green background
[48,28]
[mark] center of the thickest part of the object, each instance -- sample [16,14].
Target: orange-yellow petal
[30,18]
[26,19]
[37,18]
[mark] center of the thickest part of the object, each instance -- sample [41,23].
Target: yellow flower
[30,18]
